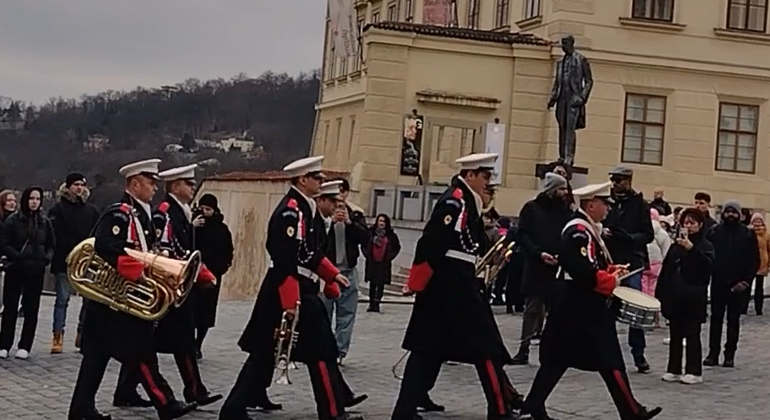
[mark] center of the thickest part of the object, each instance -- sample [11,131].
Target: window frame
[474,14]
[409,10]
[392,11]
[745,22]
[532,9]
[737,132]
[376,17]
[644,123]
[671,7]
[502,19]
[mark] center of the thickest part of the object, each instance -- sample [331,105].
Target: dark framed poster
[411,145]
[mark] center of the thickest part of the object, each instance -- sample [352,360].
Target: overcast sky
[70,47]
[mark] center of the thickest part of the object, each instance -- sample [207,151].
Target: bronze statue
[570,92]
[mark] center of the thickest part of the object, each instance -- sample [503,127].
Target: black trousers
[376,290]
[420,374]
[535,309]
[92,368]
[548,377]
[330,390]
[759,293]
[689,331]
[22,283]
[725,302]
[186,362]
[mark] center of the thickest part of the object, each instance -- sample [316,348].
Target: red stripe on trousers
[327,382]
[191,371]
[151,382]
[496,386]
[626,391]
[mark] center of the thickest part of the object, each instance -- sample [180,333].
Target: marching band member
[175,333]
[450,319]
[297,266]
[581,332]
[108,333]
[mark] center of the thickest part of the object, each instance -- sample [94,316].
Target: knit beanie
[757,216]
[73,178]
[731,204]
[553,182]
[209,200]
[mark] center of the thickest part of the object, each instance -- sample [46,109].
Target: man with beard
[450,319]
[540,223]
[736,262]
[627,231]
[581,332]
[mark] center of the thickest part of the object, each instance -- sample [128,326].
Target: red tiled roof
[461,33]
[273,176]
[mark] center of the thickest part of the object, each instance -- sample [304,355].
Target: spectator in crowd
[73,219]
[702,202]
[380,249]
[627,231]
[215,242]
[657,250]
[27,240]
[541,221]
[736,263]
[559,168]
[746,214]
[659,203]
[347,233]
[682,291]
[7,204]
[763,244]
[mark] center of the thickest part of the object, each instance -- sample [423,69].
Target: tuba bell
[164,283]
[489,266]
[286,336]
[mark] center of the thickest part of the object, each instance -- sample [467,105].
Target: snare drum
[635,308]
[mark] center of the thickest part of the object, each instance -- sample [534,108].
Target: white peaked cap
[147,167]
[182,172]
[592,191]
[477,161]
[304,166]
[330,188]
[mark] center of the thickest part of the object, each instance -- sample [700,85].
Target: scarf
[379,245]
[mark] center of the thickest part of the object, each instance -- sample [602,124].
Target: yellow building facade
[680,93]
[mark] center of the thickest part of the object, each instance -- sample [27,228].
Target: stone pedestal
[579,175]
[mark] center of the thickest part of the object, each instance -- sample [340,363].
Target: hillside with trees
[238,124]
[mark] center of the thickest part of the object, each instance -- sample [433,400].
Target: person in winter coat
[73,219]
[682,290]
[7,207]
[381,248]
[736,262]
[657,250]
[763,244]
[659,203]
[215,242]
[27,240]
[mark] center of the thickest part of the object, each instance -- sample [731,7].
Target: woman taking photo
[682,290]
[27,241]
[379,250]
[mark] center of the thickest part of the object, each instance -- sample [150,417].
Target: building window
[737,138]
[653,10]
[344,65]
[531,9]
[747,15]
[501,13]
[408,10]
[375,17]
[393,12]
[473,14]
[645,121]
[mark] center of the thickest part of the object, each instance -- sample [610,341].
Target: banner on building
[494,142]
[437,12]
[411,145]
[344,28]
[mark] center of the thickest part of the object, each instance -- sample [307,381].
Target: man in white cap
[450,319]
[581,332]
[175,333]
[291,287]
[108,333]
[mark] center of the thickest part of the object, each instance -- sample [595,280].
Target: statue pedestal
[579,175]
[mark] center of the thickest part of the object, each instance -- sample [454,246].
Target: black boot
[175,410]
[91,414]
[355,400]
[521,358]
[646,414]
[729,361]
[428,405]
[711,360]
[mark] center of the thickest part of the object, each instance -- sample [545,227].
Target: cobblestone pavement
[40,388]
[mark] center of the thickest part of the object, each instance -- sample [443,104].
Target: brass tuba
[165,282]
[489,266]
[286,336]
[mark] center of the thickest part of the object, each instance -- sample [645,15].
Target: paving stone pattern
[40,388]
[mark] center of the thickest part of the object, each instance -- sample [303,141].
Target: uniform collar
[185,207]
[476,197]
[310,201]
[145,206]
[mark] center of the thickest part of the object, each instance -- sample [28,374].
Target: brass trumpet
[489,266]
[286,336]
